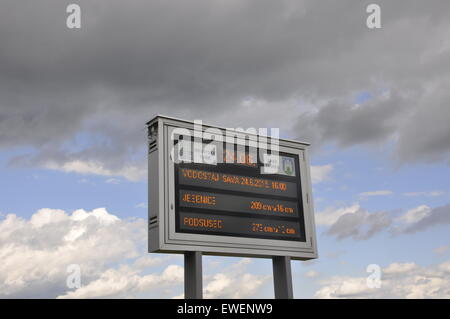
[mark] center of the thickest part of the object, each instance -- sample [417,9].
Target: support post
[193,275]
[282,277]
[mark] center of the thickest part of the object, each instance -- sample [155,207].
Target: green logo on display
[288,166]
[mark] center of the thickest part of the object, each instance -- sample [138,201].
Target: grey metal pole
[193,275]
[282,277]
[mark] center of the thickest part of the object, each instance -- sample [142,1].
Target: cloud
[342,287]
[234,283]
[46,216]
[398,280]
[421,220]
[132,173]
[428,194]
[441,250]
[399,103]
[375,193]
[360,225]
[434,114]
[320,173]
[141,205]
[414,215]
[335,254]
[352,221]
[330,215]
[126,281]
[78,101]
[36,252]
[340,121]
[114,181]
[399,268]
[312,274]
[309,263]
[111,253]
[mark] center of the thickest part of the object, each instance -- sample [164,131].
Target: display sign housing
[222,192]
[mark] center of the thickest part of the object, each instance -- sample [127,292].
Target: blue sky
[354,171]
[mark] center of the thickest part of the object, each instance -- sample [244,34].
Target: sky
[373,103]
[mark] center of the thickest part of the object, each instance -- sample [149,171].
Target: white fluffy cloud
[127,281]
[399,268]
[234,282]
[398,280]
[35,253]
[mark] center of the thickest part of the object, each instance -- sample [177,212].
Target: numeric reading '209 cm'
[256,205]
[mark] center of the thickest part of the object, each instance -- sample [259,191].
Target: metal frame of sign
[162,234]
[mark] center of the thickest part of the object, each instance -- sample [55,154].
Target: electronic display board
[227,196]
[237,200]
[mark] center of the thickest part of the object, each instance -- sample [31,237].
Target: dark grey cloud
[426,135]
[350,124]
[86,94]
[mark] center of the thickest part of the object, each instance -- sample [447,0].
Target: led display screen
[239,197]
